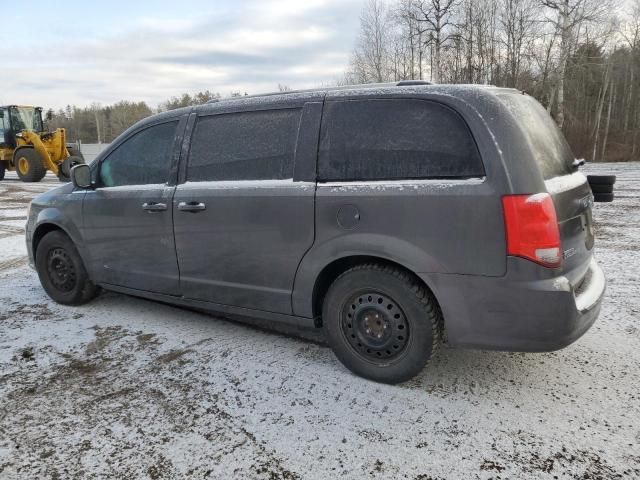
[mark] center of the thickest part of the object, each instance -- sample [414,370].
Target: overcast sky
[80,52]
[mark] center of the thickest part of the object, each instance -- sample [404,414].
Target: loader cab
[14,119]
[4,127]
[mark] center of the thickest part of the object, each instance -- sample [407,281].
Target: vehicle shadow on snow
[450,370]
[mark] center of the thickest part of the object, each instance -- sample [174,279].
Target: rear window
[550,149]
[244,146]
[395,139]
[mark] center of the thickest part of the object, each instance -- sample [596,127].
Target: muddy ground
[128,388]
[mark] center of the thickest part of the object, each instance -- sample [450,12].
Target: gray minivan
[393,216]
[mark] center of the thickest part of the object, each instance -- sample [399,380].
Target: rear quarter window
[550,149]
[395,139]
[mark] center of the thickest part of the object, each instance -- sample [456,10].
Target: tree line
[102,124]
[579,58]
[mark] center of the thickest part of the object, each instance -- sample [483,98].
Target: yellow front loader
[26,148]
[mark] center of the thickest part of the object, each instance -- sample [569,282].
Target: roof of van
[367,87]
[478,95]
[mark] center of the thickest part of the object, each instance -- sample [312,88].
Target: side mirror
[81,176]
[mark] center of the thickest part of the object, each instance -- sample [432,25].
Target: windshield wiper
[577,163]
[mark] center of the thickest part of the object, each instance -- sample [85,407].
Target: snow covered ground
[128,388]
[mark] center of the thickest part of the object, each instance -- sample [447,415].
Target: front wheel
[381,322]
[61,271]
[29,165]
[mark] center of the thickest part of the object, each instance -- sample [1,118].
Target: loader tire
[74,152]
[29,165]
[64,172]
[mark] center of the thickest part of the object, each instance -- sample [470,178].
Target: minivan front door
[128,224]
[242,224]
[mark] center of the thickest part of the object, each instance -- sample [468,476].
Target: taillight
[532,228]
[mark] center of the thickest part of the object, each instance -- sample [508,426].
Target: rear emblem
[569,253]
[587,202]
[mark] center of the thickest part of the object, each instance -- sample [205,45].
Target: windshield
[550,148]
[26,118]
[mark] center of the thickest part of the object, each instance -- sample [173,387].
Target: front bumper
[28,237]
[516,313]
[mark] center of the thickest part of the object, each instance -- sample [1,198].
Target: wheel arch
[41,230]
[50,225]
[338,266]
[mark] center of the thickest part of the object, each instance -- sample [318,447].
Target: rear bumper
[516,313]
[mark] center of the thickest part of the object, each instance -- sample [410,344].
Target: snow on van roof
[406,84]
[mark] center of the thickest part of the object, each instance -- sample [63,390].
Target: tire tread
[421,293]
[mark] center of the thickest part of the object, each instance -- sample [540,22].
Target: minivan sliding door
[242,222]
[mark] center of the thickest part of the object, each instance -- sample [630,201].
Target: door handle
[154,207]
[191,206]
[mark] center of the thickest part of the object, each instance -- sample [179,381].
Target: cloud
[247,46]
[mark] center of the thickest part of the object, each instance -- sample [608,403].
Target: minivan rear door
[569,189]
[244,212]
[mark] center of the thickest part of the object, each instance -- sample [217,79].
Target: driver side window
[144,158]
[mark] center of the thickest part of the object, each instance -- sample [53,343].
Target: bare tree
[434,18]
[569,15]
[370,58]
[96,109]
[409,43]
[519,20]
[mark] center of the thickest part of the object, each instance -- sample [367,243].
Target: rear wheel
[29,165]
[381,322]
[61,271]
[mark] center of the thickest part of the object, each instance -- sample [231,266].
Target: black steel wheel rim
[61,270]
[375,327]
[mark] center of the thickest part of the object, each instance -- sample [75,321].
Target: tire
[61,271]
[603,197]
[64,172]
[29,165]
[388,342]
[597,188]
[601,179]
[2,170]
[74,152]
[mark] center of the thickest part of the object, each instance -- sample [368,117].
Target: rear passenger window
[144,158]
[395,139]
[244,146]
